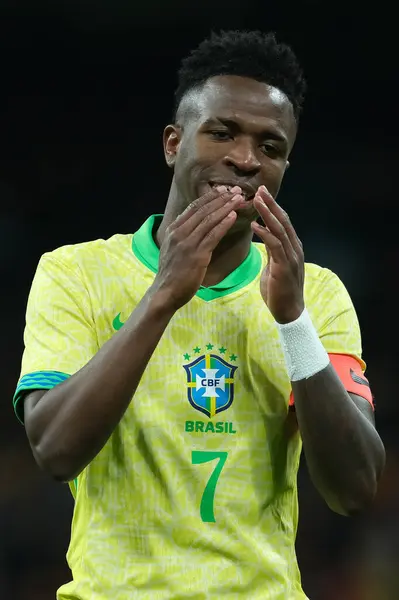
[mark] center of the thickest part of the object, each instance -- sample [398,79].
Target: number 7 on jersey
[207,501]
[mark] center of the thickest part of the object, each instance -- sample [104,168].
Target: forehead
[244,99]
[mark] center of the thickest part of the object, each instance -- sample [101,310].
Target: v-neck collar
[147,252]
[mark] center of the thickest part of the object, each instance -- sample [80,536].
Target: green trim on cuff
[39,380]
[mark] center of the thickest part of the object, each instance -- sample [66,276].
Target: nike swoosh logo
[117,323]
[359,379]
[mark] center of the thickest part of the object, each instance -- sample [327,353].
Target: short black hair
[252,54]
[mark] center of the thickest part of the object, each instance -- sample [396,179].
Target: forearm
[344,452]
[72,422]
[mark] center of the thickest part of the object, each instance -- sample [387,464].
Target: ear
[171,141]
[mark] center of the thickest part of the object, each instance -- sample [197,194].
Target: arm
[68,425]
[343,450]
[344,453]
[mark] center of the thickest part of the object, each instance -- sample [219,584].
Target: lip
[248,190]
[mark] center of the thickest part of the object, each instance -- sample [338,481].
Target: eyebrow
[233,124]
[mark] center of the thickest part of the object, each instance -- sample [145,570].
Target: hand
[189,242]
[282,281]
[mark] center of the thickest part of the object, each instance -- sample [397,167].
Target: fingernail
[236,190]
[237,197]
[221,188]
[259,197]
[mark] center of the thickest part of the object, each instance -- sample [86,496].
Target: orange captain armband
[350,372]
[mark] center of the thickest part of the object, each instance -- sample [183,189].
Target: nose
[242,157]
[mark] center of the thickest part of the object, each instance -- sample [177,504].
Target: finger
[205,206]
[201,203]
[212,219]
[282,217]
[215,235]
[274,246]
[274,226]
[194,206]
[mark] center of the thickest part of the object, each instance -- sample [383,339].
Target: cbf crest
[210,380]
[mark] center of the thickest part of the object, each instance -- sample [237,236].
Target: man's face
[234,131]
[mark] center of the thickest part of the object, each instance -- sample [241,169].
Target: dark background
[85,91]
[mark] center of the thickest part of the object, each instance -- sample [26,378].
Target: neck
[228,254]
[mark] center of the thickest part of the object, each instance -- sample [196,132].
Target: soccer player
[171,376]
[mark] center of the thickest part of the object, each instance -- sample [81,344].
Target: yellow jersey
[194,496]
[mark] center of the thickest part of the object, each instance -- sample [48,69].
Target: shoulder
[320,281]
[330,305]
[91,255]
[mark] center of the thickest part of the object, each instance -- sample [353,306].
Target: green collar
[146,250]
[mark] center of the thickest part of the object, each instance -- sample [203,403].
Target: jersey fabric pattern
[195,493]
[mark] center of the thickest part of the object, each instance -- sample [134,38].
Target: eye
[220,135]
[270,150]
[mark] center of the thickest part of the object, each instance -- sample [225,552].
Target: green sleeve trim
[39,380]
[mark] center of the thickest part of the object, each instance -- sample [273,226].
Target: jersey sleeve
[335,319]
[60,337]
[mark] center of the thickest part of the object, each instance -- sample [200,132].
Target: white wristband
[304,353]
